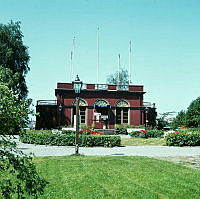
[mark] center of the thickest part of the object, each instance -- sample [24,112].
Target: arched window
[122,112]
[101,102]
[82,102]
[83,113]
[122,103]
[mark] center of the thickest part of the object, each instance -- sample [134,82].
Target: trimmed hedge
[147,134]
[69,140]
[68,132]
[183,139]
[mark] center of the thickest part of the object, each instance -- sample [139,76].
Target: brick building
[101,106]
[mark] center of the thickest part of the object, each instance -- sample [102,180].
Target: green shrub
[138,134]
[47,138]
[147,134]
[183,139]
[155,133]
[122,129]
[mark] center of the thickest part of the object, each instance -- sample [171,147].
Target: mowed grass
[117,177]
[143,141]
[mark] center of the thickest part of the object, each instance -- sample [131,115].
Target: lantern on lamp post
[77,86]
[146,115]
[60,115]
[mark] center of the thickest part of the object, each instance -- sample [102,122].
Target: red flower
[183,127]
[143,131]
[87,130]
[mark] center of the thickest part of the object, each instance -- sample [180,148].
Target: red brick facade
[101,106]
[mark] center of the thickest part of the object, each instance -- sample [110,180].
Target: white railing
[149,104]
[46,102]
[101,86]
[122,87]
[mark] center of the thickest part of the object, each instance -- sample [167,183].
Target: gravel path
[149,151]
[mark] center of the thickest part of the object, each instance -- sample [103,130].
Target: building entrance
[101,117]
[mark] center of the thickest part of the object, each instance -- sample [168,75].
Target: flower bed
[183,139]
[48,138]
[90,132]
[147,133]
[125,129]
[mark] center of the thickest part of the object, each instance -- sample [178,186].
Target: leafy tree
[120,78]
[180,120]
[18,174]
[14,56]
[191,117]
[193,113]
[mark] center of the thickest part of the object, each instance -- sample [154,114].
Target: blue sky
[164,34]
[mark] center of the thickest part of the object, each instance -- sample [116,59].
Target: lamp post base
[77,127]
[76,149]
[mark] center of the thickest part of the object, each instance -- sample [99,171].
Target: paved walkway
[150,151]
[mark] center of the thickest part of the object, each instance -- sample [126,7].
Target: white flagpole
[71,65]
[119,66]
[98,55]
[129,71]
[73,58]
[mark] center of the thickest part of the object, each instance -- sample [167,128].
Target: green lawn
[143,141]
[119,177]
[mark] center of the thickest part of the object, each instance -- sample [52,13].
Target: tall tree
[120,77]
[18,175]
[180,120]
[190,117]
[193,113]
[14,56]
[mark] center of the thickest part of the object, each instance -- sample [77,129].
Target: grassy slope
[143,141]
[117,177]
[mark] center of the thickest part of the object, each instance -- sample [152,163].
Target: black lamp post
[60,114]
[77,85]
[146,115]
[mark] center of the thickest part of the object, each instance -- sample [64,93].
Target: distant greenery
[183,139]
[162,120]
[190,117]
[119,177]
[48,138]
